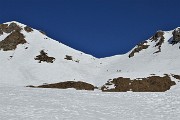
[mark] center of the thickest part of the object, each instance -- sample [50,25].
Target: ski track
[19,103]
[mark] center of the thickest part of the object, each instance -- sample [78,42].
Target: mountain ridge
[40,59]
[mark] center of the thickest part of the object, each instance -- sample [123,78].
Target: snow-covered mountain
[29,57]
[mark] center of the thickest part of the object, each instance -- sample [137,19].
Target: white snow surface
[22,69]
[19,103]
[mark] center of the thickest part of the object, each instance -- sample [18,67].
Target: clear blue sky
[98,27]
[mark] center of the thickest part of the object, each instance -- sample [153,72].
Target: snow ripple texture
[18,103]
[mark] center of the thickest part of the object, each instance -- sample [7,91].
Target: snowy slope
[20,103]
[147,62]
[22,69]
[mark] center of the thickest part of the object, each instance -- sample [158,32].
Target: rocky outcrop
[176,36]
[138,48]
[12,40]
[68,57]
[159,39]
[28,29]
[43,57]
[158,34]
[149,84]
[68,84]
[176,76]
[9,28]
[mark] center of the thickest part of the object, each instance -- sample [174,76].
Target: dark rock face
[138,48]
[176,76]
[149,84]
[159,38]
[68,84]
[8,29]
[28,29]
[44,57]
[12,40]
[176,36]
[158,34]
[68,57]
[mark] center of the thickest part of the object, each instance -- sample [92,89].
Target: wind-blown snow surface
[19,103]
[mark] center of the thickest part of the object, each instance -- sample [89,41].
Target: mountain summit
[29,57]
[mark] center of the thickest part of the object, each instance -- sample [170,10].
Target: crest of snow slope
[22,69]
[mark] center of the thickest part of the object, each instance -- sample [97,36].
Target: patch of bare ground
[43,57]
[68,84]
[138,48]
[149,84]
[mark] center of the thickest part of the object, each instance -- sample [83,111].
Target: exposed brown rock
[159,38]
[176,76]
[149,84]
[176,36]
[44,57]
[68,57]
[8,29]
[158,34]
[1,32]
[12,40]
[28,29]
[3,26]
[68,84]
[138,48]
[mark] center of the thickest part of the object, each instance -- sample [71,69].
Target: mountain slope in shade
[29,57]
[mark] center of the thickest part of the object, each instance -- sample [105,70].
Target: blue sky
[98,27]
